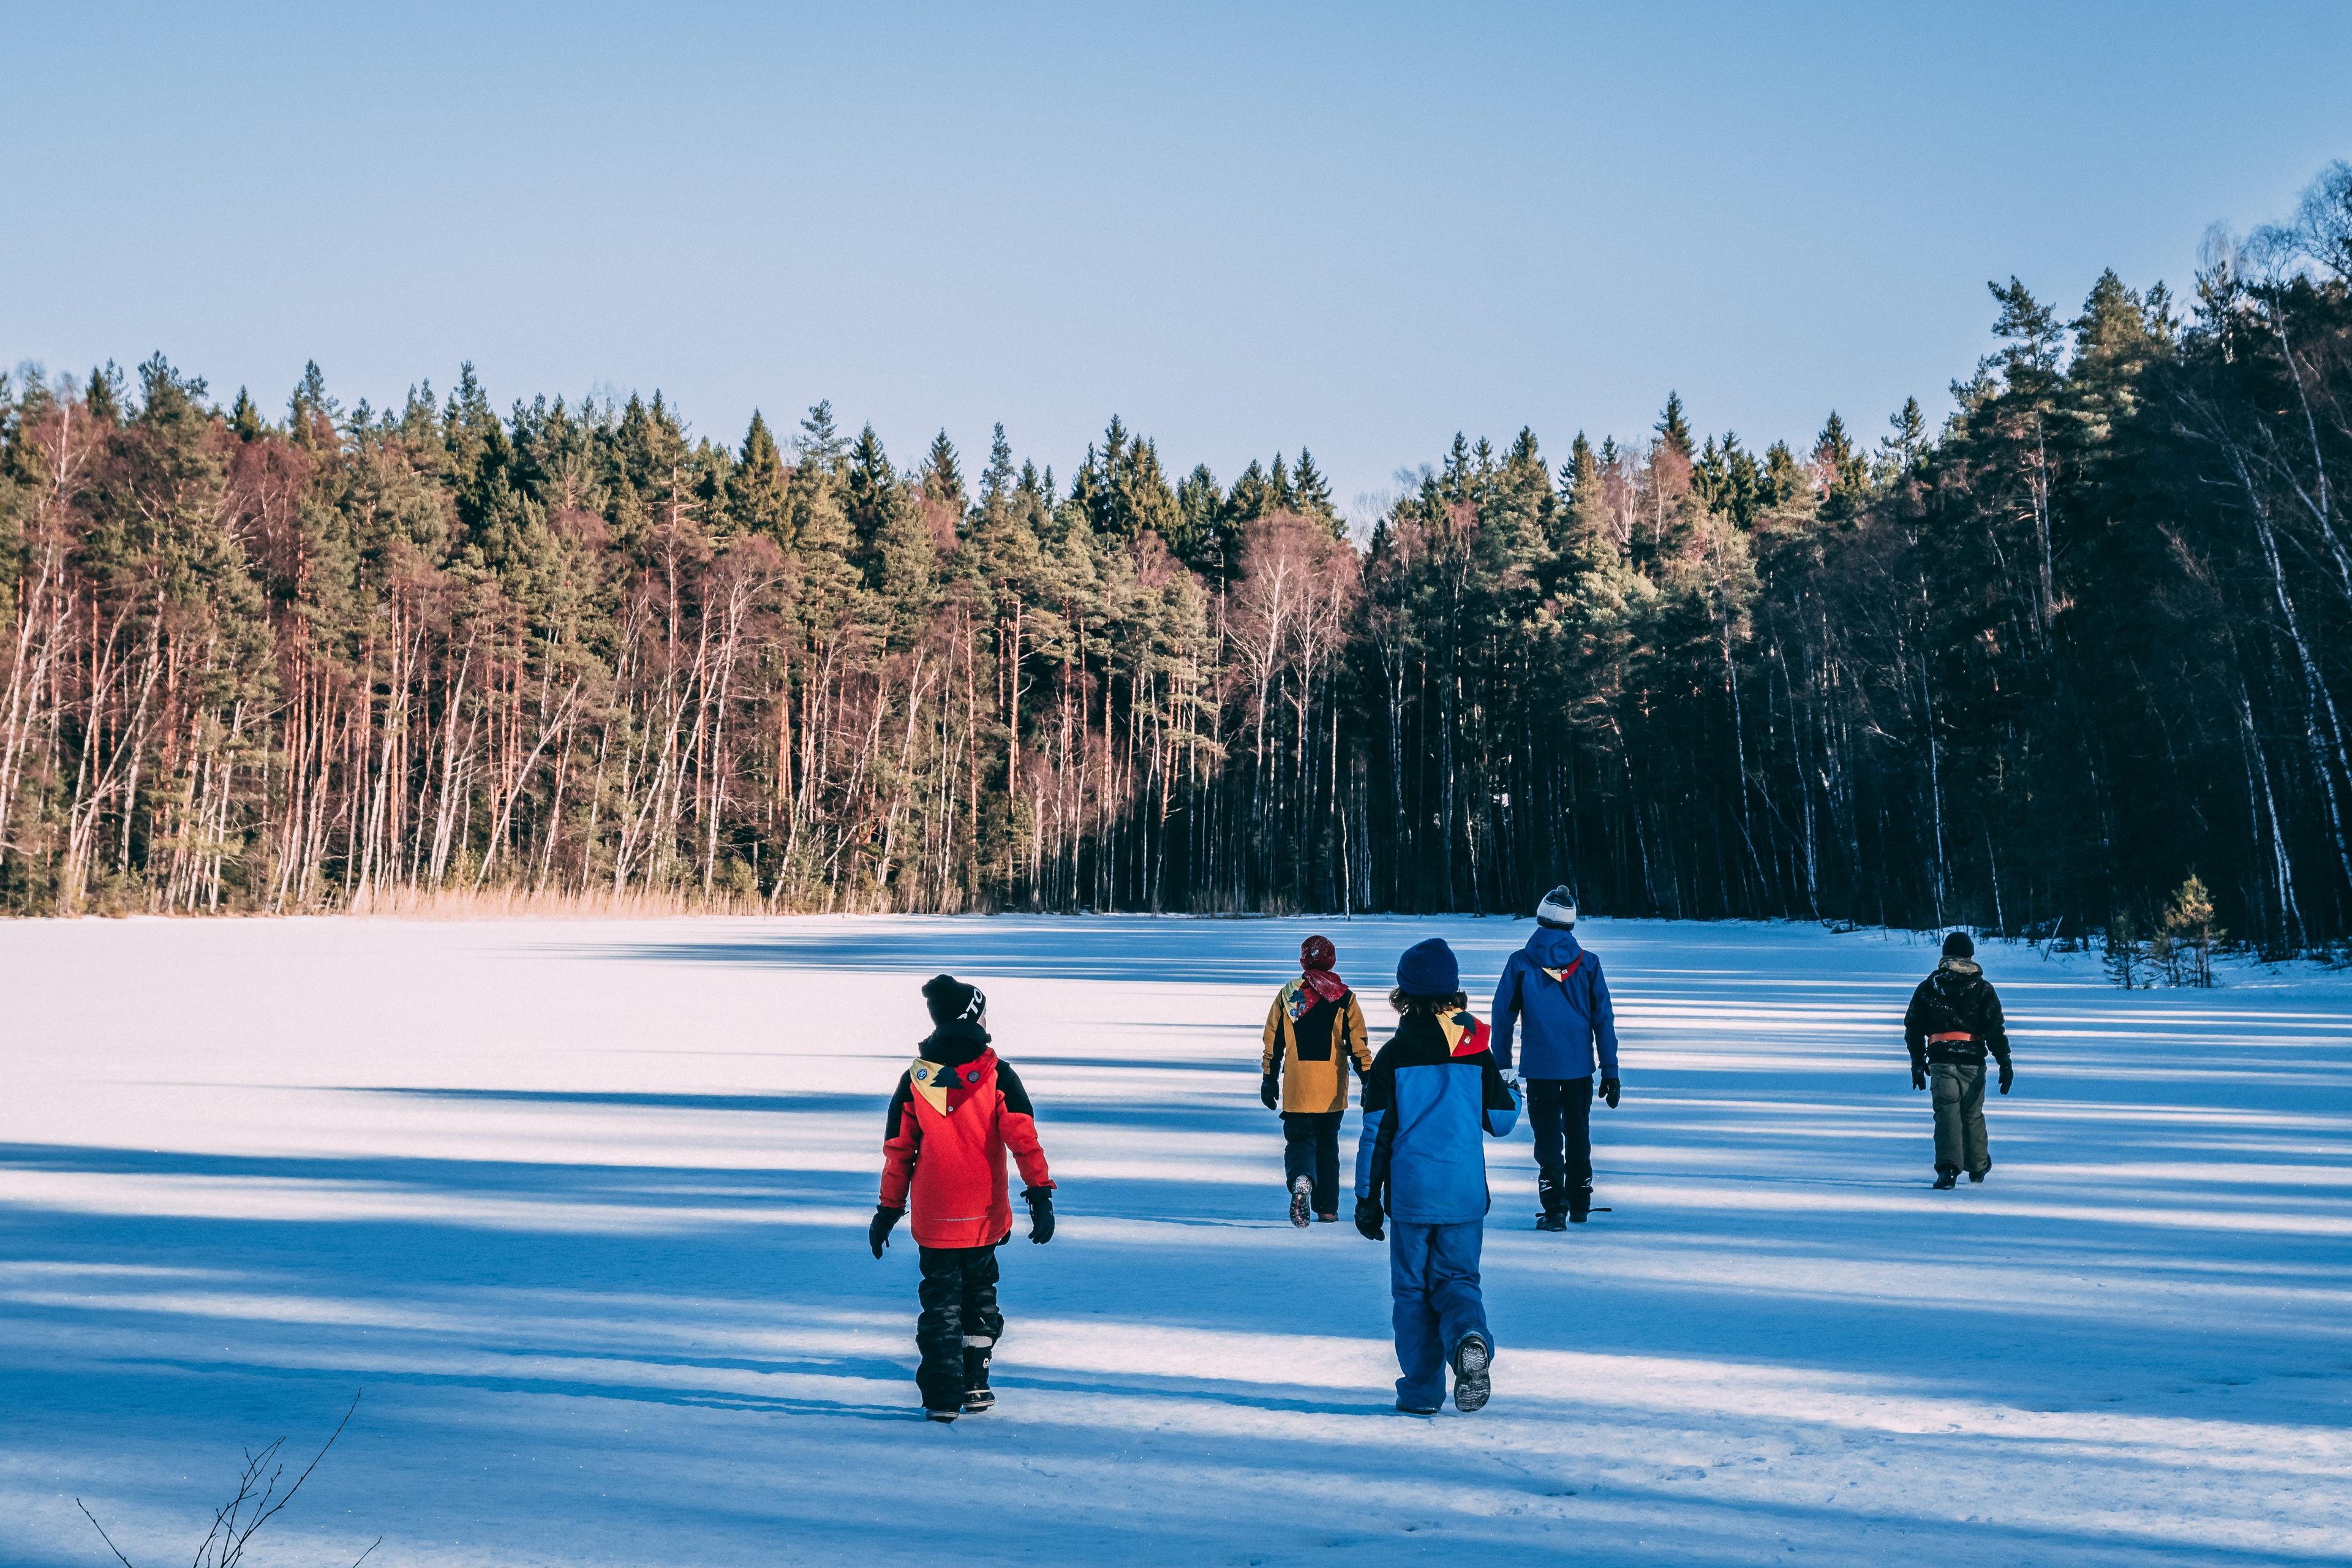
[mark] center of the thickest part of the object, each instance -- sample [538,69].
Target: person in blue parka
[1554,987]
[1432,1095]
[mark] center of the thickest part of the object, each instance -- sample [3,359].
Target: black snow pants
[1311,1149]
[1561,1110]
[960,1323]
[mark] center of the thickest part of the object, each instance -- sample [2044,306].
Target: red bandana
[1327,987]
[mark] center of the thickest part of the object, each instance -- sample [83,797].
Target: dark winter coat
[1433,1089]
[1955,1016]
[1556,987]
[956,1111]
[1310,1041]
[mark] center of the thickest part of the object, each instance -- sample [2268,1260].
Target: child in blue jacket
[1433,1089]
[1556,986]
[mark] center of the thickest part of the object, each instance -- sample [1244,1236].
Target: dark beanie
[951,999]
[1427,969]
[1960,944]
[1316,952]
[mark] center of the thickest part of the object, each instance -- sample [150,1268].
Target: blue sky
[1353,227]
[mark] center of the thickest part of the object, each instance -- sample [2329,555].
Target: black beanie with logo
[951,1001]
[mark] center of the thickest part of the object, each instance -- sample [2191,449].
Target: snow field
[581,1205]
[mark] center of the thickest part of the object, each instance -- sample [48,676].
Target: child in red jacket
[956,1111]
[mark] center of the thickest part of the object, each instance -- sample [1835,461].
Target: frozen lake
[582,1207]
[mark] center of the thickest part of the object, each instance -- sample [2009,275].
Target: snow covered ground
[582,1207]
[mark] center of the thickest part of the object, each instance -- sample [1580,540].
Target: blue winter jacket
[1556,987]
[1433,1090]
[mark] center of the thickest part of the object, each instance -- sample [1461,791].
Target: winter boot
[1580,1204]
[1302,1200]
[1554,1205]
[942,1416]
[1945,1180]
[1471,1384]
[977,1395]
[1981,1175]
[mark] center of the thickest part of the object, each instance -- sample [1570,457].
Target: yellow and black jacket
[1311,1041]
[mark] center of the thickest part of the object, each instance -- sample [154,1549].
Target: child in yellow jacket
[1315,1026]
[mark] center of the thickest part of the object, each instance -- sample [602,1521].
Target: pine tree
[104,395]
[1728,477]
[1311,494]
[1833,446]
[820,440]
[1845,477]
[2035,339]
[1909,444]
[1200,537]
[1092,494]
[1146,503]
[1251,498]
[246,419]
[759,487]
[1784,481]
[2118,339]
[310,413]
[2189,924]
[1581,473]
[941,474]
[1673,427]
[2126,952]
[1459,477]
[996,483]
[823,542]
[869,494]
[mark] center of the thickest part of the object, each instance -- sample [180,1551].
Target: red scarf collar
[1326,985]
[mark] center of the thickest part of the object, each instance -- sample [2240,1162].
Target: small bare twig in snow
[257,1502]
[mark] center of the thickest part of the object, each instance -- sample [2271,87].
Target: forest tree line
[2027,670]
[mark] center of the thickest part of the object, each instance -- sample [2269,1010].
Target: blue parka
[1556,987]
[1432,1094]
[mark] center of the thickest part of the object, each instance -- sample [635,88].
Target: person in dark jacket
[1315,1029]
[1953,1021]
[1556,986]
[956,1111]
[1433,1091]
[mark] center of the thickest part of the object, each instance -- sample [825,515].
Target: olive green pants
[1960,1118]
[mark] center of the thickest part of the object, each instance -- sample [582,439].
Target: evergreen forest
[2029,669]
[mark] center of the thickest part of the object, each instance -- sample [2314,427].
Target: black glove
[1270,1090]
[1368,1219]
[2006,1076]
[877,1234]
[1041,1213]
[1609,1089]
[1918,1072]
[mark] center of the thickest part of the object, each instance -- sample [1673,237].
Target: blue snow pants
[1433,1277]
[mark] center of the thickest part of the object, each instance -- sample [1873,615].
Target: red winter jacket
[951,1122]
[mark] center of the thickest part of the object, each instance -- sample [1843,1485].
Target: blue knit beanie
[1427,969]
